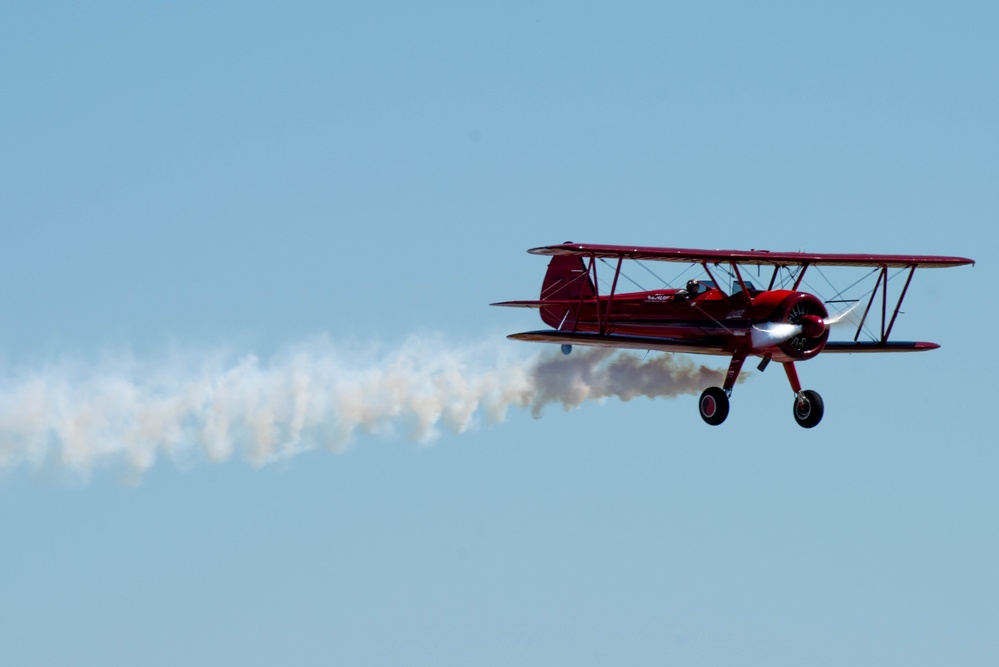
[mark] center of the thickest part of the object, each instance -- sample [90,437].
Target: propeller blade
[841,318]
[773,333]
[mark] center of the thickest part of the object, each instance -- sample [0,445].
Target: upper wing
[762,257]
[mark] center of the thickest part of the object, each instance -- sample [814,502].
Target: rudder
[567,280]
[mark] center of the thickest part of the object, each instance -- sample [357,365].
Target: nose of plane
[812,326]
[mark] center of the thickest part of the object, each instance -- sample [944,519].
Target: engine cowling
[795,323]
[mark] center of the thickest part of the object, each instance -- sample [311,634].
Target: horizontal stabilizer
[890,346]
[520,304]
[538,304]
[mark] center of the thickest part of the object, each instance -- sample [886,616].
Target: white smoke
[79,417]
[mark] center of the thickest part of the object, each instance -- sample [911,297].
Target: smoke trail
[127,413]
[597,373]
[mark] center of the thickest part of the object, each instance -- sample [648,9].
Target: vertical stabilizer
[566,282]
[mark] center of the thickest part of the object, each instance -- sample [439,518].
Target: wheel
[808,408]
[713,405]
[566,349]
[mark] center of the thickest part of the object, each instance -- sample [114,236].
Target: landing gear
[714,402]
[566,349]
[713,405]
[808,408]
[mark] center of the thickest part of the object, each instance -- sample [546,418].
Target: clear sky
[189,184]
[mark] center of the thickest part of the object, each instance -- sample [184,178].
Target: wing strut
[908,280]
[610,299]
[801,276]
[708,271]
[882,285]
[742,283]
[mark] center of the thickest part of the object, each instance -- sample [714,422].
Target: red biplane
[779,323]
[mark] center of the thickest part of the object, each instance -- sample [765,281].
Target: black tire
[808,408]
[713,405]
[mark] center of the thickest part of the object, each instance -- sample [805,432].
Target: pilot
[693,288]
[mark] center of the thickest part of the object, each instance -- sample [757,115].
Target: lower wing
[703,346]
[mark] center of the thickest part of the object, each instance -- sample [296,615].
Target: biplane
[780,323]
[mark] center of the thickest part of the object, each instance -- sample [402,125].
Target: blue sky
[183,182]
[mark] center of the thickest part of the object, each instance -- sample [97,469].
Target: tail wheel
[808,408]
[713,405]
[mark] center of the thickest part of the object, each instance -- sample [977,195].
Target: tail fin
[567,281]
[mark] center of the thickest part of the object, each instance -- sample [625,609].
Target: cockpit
[737,288]
[695,287]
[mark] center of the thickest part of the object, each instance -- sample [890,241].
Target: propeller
[773,333]
[807,324]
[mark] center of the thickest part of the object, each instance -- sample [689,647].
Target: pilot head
[693,287]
